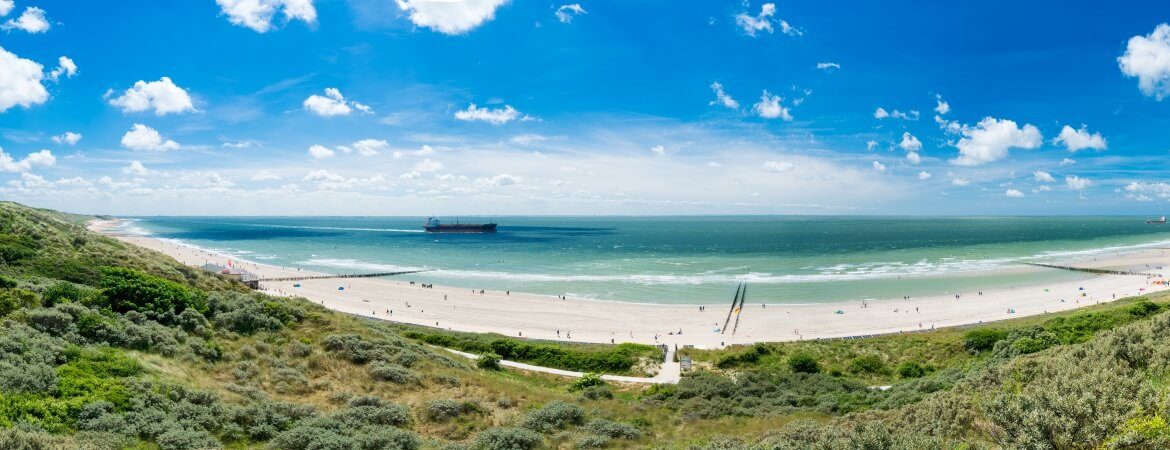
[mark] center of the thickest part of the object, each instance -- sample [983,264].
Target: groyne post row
[1097,271]
[352,275]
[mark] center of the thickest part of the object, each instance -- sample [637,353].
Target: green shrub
[597,392]
[591,441]
[614,430]
[186,439]
[488,361]
[506,438]
[803,363]
[982,339]
[393,373]
[869,364]
[911,369]
[442,410]
[554,415]
[130,290]
[586,380]
[14,299]
[63,291]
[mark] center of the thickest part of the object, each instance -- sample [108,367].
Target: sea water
[691,260]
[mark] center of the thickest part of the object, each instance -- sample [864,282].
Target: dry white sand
[542,316]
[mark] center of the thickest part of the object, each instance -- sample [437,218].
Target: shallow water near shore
[691,260]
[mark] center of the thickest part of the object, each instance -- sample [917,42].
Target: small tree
[803,363]
[488,361]
[982,339]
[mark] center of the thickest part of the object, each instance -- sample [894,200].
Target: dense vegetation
[103,345]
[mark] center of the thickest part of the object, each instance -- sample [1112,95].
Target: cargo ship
[1161,221]
[433,225]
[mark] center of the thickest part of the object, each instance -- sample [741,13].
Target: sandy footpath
[542,316]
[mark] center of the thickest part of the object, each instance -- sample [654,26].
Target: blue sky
[365,107]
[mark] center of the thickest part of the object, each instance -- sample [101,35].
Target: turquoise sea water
[679,259]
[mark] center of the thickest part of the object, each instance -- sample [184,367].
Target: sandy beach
[580,320]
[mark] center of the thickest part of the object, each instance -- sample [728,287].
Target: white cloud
[990,139]
[914,158]
[142,137]
[320,152]
[75,181]
[6,7]
[1067,162]
[1080,139]
[412,175]
[67,138]
[1148,59]
[769,107]
[658,150]
[163,96]
[498,116]
[43,158]
[566,12]
[778,166]
[265,175]
[828,66]
[942,107]
[910,143]
[32,21]
[370,147]
[450,16]
[327,180]
[881,113]
[871,145]
[960,181]
[924,175]
[427,166]
[20,82]
[1014,193]
[1142,191]
[879,166]
[333,104]
[65,66]
[136,169]
[1043,177]
[258,14]
[721,97]
[499,180]
[752,25]
[1077,183]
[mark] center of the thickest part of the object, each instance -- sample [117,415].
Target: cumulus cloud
[658,150]
[752,25]
[1148,59]
[67,138]
[66,67]
[924,175]
[43,158]
[769,107]
[20,82]
[942,107]
[333,104]
[1014,193]
[990,139]
[327,180]
[258,14]
[427,166]
[778,166]
[566,12]
[142,137]
[1142,191]
[370,147]
[1067,162]
[6,7]
[722,98]
[162,96]
[828,66]
[1080,139]
[910,143]
[960,181]
[136,169]
[450,16]
[879,166]
[497,116]
[881,113]
[499,180]
[1077,183]
[871,145]
[31,21]
[320,152]
[1043,177]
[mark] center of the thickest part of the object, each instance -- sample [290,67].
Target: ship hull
[462,228]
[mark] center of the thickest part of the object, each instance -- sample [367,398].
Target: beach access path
[549,317]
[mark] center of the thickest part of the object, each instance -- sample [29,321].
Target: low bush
[911,369]
[867,364]
[982,339]
[506,438]
[393,373]
[130,290]
[613,430]
[586,380]
[442,410]
[554,415]
[803,363]
[488,361]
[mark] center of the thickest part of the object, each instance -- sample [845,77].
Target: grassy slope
[755,400]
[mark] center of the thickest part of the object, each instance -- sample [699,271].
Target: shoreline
[605,321]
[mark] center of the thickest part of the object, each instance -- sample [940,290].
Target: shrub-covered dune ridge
[104,345]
